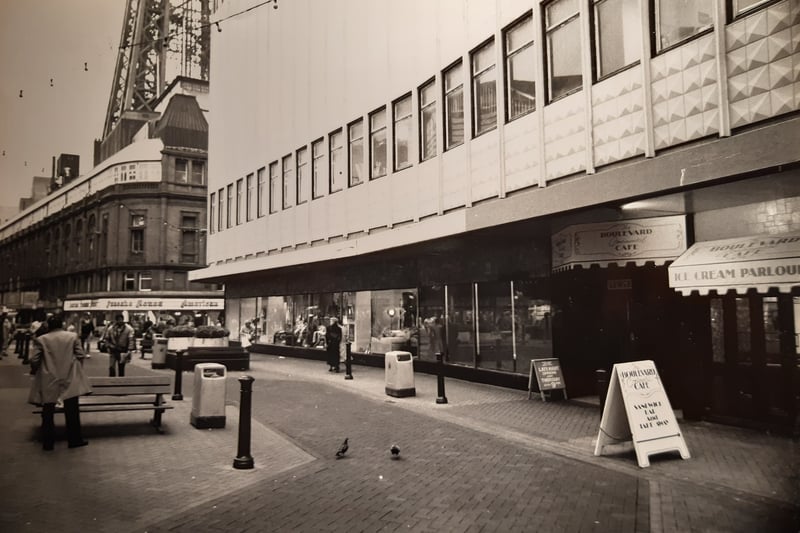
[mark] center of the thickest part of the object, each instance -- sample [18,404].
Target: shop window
[250,197]
[287,184]
[743,330]
[355,152]
[680,20]
[303,183]
[377,144]
[273,187]
[495,331]
[239,198]
[432,337]
[198,173]
[402,132]
[563,48]
[533,314]
[261,188]
[393,321]
[427,120]
[181,170]
[484,89]
[212,209]
[453,106]
[336,161]
[717,330]
[461,324]
[617,35]
[317,168]
[229,208]
[520,75]
[772,332]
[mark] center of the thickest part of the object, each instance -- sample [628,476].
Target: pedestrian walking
[8,332]
[57,364]
[333,338]
[120,340]
[87,328]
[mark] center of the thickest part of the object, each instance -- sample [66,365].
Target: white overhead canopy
[644,240]
[760,262]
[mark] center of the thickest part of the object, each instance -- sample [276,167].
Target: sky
[74,43]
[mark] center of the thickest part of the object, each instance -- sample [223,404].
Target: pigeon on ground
[342,449]
[395,451]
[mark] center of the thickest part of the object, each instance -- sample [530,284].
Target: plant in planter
[179,337]
[211,336]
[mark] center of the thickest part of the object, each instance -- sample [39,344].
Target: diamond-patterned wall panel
[682,88]
[763,63]
[565,138]
[618,116]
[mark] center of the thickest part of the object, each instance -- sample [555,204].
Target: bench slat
[129,380]
[108,407]
[126,390]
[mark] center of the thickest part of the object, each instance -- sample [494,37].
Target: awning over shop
[655,240]
[760,262]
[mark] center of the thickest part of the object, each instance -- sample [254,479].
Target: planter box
[233,357]
[179,343]
[219,342]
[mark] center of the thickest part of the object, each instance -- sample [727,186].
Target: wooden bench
[132,393]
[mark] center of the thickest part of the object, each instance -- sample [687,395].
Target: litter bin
[208,401]
[159,359]
[399,374]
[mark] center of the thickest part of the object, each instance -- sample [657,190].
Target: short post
[244,460]
[178,395]
[440,397]
[348,361]
[26,342]
[602,388]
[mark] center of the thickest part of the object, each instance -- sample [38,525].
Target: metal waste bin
[399,374]
[208,401]
[159,359]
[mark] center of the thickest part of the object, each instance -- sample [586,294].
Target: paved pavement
[489,460]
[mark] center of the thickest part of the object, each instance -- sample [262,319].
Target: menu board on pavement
[548,377]
[637,409]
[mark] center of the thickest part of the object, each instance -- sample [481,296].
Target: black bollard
[244,460]
[602,388]
[348,361]
[440,397]
[178,376]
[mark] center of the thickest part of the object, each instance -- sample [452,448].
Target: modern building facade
[521,178]
[123,237]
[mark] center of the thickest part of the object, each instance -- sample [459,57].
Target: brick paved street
[490,460]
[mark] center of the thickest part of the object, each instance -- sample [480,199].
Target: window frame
[249,197]
[185,171]
[221,205]
[229,207]
[317,154]
[474,77]
[423,108]
[510,55]
[353,141]
[261,188]
[596,48]
[137,232]
[239,198]
[336,154]
[128,278]
[287,168]
[449,144]
[407,122]
[551,29]
[147,276]
[301,167]
[374,132]
[212,210]
[656,30]
[734,14]
[193,164]
[273,186]
[194,229]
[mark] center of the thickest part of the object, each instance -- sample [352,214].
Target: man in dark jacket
[121,343]
[333,338]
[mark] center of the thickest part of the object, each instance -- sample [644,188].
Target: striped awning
[760,263]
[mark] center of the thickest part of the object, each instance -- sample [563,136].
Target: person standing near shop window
[121,343]
[333,338]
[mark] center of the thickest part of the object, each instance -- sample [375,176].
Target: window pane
[772,332]
[533,324]
[427,99]
[274,192]
[239,206]
[261,188]
[617,34]
[560,11]
[495,326]
[484,90]
[678,20]
[220,215]
[402,133]
[337,162]
[743,329]
[212,206]
[454,107]
[229,207]
[564,59]
[302,176]
[251,197]
[460,325]
[317,170]
[377,151]
[180,170]
[520,69]
[717,331]
[197,172]
[356,152]
[288,184]
[743,5]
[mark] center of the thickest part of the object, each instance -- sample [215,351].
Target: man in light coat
[121,343]
[57,361]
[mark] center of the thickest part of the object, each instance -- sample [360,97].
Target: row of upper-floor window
[616,44]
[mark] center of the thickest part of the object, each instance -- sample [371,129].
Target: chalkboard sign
[548,377]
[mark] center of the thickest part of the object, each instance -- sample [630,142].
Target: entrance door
[754,358]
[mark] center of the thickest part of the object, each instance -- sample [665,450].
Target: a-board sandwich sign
[637,409]
[548,377]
